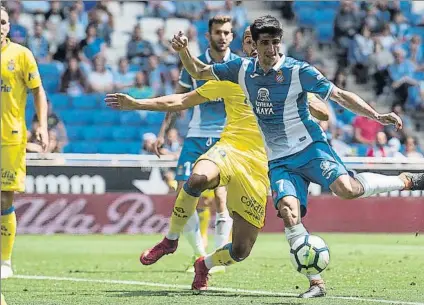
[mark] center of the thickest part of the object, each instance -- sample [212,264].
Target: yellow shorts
[208,194]
[13,167]
[246,177]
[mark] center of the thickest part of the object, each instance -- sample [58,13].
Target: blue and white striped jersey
[208,119]
[279,100]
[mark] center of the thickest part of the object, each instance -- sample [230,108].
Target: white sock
[192,233]
[223,225]
[172,236]
[292,234]
[208,262]
[375,183]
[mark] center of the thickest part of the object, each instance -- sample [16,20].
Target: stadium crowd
[77,43]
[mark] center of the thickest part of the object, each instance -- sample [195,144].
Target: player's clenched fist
[179,42]
[120,101]
[391,119]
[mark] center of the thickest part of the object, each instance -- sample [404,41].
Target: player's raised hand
[120,101]
[391,119]
[42,136]
[179,42]
[158,145]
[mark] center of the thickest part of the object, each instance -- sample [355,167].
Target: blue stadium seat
[360,149]
[126,133]
[325,33]
[154,118]
[84,147]
[50,73]
[86,101]
[106,117]
[130,118]
[306,17]
[94,133]
[115,147]
[73,117]
[417,30]
[74,133]
[325,16]
[59,101]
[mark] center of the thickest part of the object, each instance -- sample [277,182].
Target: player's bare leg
[289,211]
[243,238]
[369,184]
[8,232]
[205,175]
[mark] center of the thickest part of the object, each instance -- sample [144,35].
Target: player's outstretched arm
[357,105]
[196,68]
[173,102]
[318,108]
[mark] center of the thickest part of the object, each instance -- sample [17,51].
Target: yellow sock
[221,257]
[8,233]
[184,208]
[204,220]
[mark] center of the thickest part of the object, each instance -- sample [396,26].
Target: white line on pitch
[176,286]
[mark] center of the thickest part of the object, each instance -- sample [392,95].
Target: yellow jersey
[19,72]
[241,129]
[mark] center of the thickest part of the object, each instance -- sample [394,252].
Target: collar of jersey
[7,44]
[276,67]
[209,58]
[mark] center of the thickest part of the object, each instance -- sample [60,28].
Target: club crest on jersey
[279,77]
[11,65]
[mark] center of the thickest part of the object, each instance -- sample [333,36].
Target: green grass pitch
[88,270]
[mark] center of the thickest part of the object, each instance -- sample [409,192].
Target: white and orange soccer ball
[310,255]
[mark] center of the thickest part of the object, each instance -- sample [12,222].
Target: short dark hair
[266,25]
[220,19]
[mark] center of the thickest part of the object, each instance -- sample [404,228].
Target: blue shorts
[291,176]
[193,148]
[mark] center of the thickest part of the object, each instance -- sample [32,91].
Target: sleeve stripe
[329,92]
[214,74]
[185,85]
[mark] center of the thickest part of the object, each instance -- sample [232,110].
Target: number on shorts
[187,167]
[280,185]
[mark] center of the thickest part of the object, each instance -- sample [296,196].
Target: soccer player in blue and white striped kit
[276,87]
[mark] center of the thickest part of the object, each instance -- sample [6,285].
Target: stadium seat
[173,24]
[75,133]
[325,33]
[150,25]
[59,101]
[417,30]
[72,117]
[325,16]
[94,133]
[130,118]
[306,17]
[106,117]
[154,118]
[125,133]
[84,147]
[86,101]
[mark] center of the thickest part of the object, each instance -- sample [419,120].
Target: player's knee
[196,184]
[241,251]
[288,210]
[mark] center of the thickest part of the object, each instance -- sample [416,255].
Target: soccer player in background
[19,72]
[238,160]
[204,131]
[276,86]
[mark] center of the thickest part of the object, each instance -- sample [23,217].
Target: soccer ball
[310,255]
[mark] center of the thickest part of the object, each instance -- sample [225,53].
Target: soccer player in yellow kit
[237,160]
[19,72]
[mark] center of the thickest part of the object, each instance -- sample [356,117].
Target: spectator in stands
[18,33]
[401,73]
[35,7]
[399,26]
[82,14]
[72,27]
[102,19]
[310,57]
[212,8]
[54,124]
[380,148]
[100,80]
[365,129]
[191,10]
[92,46]
[339,145]
[193,42]
[372,19]
[67,50]
[411,148]
[172,145]
[138,48]
[39,45]
[140,89]
[407,129]
[238,14]
[359,54]
[154,72]
[149,140]
[386,38]
[122,77]
[415,52]
[73,81]
[161,9]
[346,25]
[380,60]
[394,147]
[344,117]
[54,15]
[297,49]
[164,50]
[171,81]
